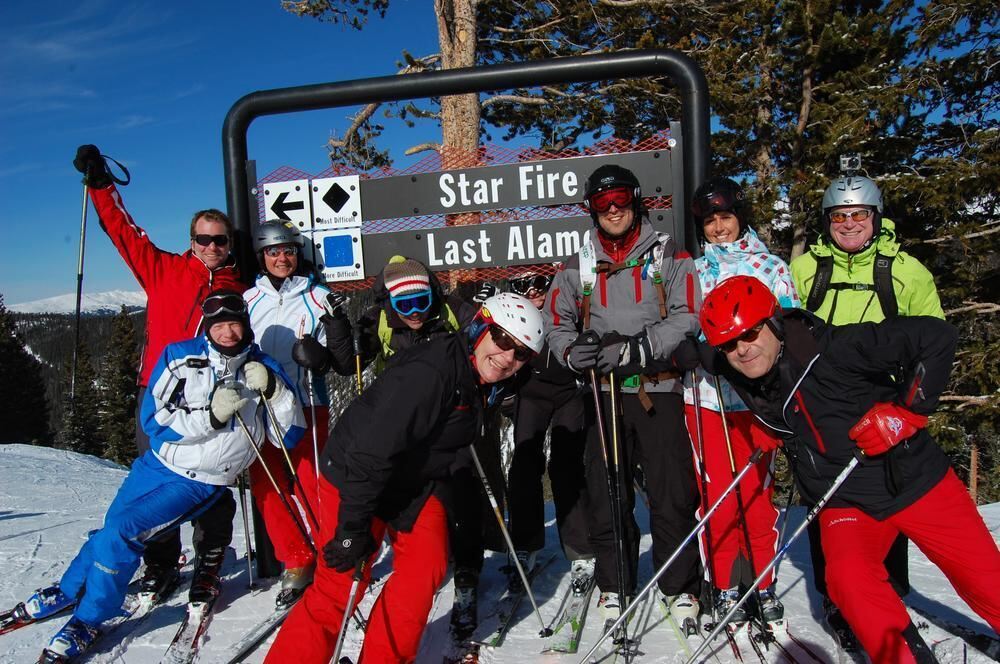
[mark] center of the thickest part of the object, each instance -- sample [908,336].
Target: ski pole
[673,556]
[359,573]
[546,631]
[274,483]
[740,505]
[616,507]
[312,411]
[699,433]
[288,459]
[242,482]
[841,478]
[356,342]
[79,290]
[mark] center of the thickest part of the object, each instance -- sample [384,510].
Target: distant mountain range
[93,303]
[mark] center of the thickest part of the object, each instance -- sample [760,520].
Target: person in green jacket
[845,278]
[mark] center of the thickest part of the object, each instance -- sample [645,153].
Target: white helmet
[516,315]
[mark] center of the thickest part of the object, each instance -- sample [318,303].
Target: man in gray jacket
[620,309]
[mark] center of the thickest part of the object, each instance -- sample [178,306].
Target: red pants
[398,618]
[289,546]
[725,537]
[945,525]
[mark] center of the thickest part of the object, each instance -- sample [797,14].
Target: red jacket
[175,284]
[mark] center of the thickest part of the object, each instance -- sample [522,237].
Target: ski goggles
[620,197]
[205,240]
[217,305]
[505,342]
[717,201]
[749,337]
[840,216]
[281,250]
[412,303]
[539,283]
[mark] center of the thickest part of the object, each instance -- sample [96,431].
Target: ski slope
[50,499]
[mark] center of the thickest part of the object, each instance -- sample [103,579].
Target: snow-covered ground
[91,303]
[50,499]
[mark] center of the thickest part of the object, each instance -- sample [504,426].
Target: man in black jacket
[833,393]
[386,469]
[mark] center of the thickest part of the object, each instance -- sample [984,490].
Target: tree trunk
[456,21]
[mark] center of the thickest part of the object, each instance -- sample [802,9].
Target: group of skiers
[653,372]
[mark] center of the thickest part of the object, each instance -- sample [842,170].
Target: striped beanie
[404,276]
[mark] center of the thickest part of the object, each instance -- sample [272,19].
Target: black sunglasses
[539,283]
[505,342]
[205,240]
[747,337]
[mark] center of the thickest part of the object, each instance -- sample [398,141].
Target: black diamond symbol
[336,197]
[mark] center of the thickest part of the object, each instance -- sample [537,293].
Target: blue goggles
[412,303]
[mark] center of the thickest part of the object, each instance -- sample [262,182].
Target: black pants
[897,562]
[213,529]
[561,406]
[658,443]
[472,525]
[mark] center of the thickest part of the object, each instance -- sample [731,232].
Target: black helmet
[720,194]
[612,176]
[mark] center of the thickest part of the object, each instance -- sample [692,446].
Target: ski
[14,619]
[986,644]
[258,633]
[849,651]
[492,630]
[184,647]
[615,647]
[793,649]
[569,625]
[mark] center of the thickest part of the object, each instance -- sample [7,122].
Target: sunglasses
[716,201]
[620,197]
[505,342]
[841,216]
[747,337]
[411,303]
[205,240]
[216,305]
[274,252]
[524,285]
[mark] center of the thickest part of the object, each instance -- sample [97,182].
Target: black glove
[582,353]
[335,304]
[90,162]
[686,356]
[627,355]
[310,354]
[352,542]
[487,291]
[711,360]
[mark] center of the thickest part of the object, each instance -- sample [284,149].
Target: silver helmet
[274,232]
[852,190]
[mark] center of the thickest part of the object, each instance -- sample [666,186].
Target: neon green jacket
[916,294]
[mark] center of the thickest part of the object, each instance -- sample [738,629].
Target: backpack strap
[881,276]
[883,285]
[821,283]
[588,272]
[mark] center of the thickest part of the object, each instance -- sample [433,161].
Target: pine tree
[23,408]
[118,392]
[81,424]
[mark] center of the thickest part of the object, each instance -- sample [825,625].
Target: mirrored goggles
[412,303]
[205,240]
[281,250]
[539,283]
[716,201]
[620,197]
[505,342]
[747,337]
[840,216]
[223,304]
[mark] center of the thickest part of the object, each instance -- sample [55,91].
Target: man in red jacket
[175,286]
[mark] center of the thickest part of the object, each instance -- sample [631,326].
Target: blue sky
[150,84]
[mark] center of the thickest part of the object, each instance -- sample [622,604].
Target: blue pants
[152,499]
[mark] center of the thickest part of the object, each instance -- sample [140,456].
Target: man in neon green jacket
[857,273]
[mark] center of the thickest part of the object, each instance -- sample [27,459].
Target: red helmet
[735,306]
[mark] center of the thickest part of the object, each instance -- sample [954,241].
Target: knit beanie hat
[404,276]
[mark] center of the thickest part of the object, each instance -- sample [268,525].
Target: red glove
[884,426]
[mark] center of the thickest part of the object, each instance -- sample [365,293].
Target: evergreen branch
[975,307]
[515,99]
[963,237]
[965,401]
[423,147]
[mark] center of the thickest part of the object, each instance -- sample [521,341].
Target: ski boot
[527,561]
[684,609]
[464,617]
[70,642]
[726,600]
[158,581]
[609,604]
[770,607]
[43,603]
[294,581]
[842,632]
[205,584]
[581,575]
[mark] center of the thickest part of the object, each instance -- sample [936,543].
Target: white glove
[226,401]
[261,379]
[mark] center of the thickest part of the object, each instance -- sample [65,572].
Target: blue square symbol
[338,251]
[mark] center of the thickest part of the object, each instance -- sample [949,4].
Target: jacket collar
[293,285]
[735,252]
[887,245]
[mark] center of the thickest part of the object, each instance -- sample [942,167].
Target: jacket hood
[729,253]
[887,245]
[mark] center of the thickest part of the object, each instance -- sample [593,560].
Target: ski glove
[226,401]
[95,170]
[487,291]
[686,355]
[261,379]
[884,426]
[581,355]
[627,355]
[351,543]
[310,354]
[335,304]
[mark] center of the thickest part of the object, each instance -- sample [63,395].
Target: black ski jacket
[393,446]
[339,330]
[827,378]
